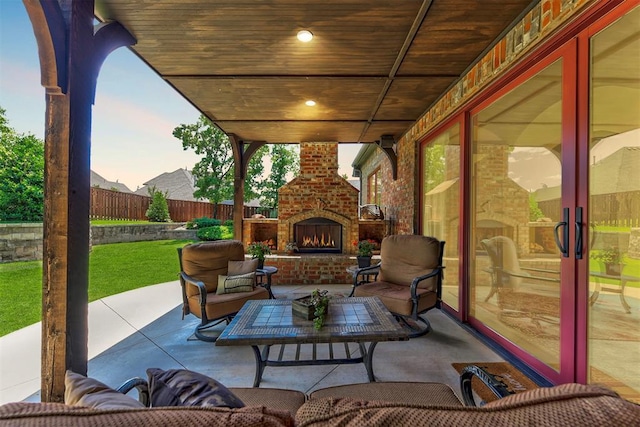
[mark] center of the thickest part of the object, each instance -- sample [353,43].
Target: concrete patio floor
[141,329]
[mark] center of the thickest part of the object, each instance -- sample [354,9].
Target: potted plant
[365,252]
[259,250]
[611,258]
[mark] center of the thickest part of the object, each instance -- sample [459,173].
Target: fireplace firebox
[316,235]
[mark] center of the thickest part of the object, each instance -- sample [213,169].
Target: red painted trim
[464,235]
[423,143]
[568,191]
[581,361]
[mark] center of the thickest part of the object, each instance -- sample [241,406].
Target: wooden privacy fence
[613,209]
[109,204]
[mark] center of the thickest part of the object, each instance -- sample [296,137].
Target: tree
[434,166]
[284,160]
[158,209]
[254,179]
[21,174]
[214,173]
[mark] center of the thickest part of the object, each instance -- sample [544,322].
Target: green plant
[158,209]
[203,222]
[228,223]
[365,247]
[209,233]
[320,301]
[258,250]
[609,255]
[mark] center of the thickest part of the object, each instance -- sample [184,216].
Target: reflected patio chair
[206,269]
[521,291]
[408,279]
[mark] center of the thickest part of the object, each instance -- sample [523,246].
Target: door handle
[578,248]
[565,233]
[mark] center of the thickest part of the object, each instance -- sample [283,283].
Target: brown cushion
[206,260]
[397,298]
[405,257]
[232,284]
[82,391]
[57,414]
[574,405]
[242,267]
[181,387]
[273,398]
[423,393]
[221,305]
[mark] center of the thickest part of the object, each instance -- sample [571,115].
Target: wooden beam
[70,57]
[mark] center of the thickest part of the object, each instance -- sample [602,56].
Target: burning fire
[318,242]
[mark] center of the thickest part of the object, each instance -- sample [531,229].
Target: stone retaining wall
[23,242]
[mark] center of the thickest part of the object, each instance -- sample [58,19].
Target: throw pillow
[242,267]
[82,391]
[233,284]
[181,387]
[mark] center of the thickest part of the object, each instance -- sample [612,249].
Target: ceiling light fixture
[310,103]
[305,36]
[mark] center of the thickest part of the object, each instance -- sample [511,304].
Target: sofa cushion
[82,391]
[57,414]
[574,405]
[181,387]
[275,398]
[233,284]
[423,393]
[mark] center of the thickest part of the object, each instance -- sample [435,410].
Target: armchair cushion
[242,267]
[82,391]
[232,284]
[205,261]
[181,387]
[405,257]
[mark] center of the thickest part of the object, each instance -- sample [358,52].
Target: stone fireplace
[318,209]
[318,235]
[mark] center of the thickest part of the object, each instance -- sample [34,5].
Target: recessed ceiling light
[310,103]
[305,36]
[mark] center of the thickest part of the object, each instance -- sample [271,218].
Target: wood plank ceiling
[373,67]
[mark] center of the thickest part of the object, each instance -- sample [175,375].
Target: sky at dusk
[134,114]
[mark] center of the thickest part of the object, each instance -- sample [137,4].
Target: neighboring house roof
[617,173]
[547,193]
[100,182]
[355,183]
[178,185]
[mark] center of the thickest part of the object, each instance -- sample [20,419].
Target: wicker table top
[268,322]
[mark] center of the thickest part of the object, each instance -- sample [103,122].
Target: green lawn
[113,269]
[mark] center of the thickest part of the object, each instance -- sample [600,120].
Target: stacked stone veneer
[318,192]
[23,242]
[20,242]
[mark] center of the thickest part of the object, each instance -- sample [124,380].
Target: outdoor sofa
[91,403]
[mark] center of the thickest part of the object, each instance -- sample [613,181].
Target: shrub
[203,222]
[228,223]
[158,209]
[209,233]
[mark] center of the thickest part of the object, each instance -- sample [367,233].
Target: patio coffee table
[269,323]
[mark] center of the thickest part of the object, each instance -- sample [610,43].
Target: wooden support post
[241,157]
[70,58]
